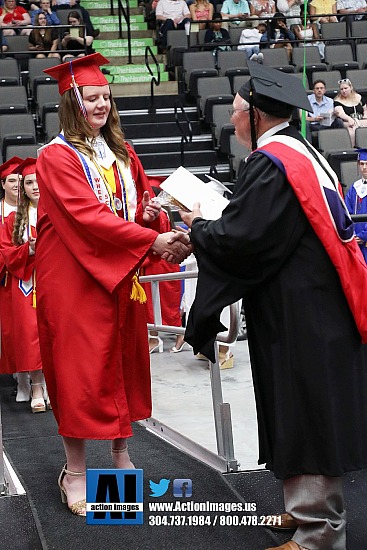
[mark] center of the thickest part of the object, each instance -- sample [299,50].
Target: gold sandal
[78,508]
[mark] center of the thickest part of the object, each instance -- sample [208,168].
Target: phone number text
[229,519]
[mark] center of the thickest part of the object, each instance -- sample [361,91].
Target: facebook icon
[182,488]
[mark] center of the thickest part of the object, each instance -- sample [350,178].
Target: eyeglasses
[344,80]
[233,111]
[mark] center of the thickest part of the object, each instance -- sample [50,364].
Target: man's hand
[151,208]
[173,246]
[188,217]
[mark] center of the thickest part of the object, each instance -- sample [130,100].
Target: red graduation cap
[85,70]
[10,167]
[28,166]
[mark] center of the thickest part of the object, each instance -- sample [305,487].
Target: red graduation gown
[7,359]
[21,265]
[93,337]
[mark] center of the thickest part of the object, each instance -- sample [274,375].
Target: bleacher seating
[211,91]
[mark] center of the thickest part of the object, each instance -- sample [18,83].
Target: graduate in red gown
[9,197]
[96,224]
[18,250]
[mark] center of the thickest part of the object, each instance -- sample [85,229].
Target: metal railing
[225,459]
[155,80]
[186,136]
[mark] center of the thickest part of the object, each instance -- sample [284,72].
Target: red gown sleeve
[16,258]
[107,246]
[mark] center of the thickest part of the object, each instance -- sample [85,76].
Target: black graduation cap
[273,91]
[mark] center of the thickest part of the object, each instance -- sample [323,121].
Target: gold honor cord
[304,80]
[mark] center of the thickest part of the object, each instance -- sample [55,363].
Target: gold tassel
[6,278]
[137,291]
[34,296]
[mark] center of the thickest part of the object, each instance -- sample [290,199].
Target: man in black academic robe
[309,366]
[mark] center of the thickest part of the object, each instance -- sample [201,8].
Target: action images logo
[114,497]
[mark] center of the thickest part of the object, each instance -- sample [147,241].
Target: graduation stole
[29,287]
[322,203]
[103,194]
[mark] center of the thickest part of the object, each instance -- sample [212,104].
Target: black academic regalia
[309,366]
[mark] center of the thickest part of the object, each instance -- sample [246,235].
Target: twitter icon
[160,488]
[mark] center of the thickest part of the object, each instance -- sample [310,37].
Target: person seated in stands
[262,8]
[250,42]
[216,38]
[323,8]
[45,7]
[201,10]
[3,44]
[309,33]
[321,106]
[350,108]
[13,18]
[279,36]
[45,39]
[346,7]
[291,9]
[356,202]
[173,14]
[78,41]
[237,12]
[70,4]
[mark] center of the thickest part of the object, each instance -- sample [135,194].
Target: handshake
[173,246]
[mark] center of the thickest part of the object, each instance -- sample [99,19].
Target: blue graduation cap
[362,154]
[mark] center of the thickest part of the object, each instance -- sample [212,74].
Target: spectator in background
[323,7]
[250,42]
[292,9]
[349,108]
[309,33]
[262,8]
[4,44]
[279,36]
[321,104]
[345,7]
[201,10]
[174,14]
[76,40]
[238,11]
[356,201]
[43,40]
[217,38]
[70,4]
[13,18]
[45,7]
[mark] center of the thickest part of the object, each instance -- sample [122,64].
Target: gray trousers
[316,503]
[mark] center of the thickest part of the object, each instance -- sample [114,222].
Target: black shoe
[95,33]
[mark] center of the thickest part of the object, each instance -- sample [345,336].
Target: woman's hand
[151,208]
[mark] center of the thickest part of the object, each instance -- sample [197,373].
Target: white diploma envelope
[187,189]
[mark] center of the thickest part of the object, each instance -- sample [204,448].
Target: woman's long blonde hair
[21,216]
[77,129]
[339,97]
